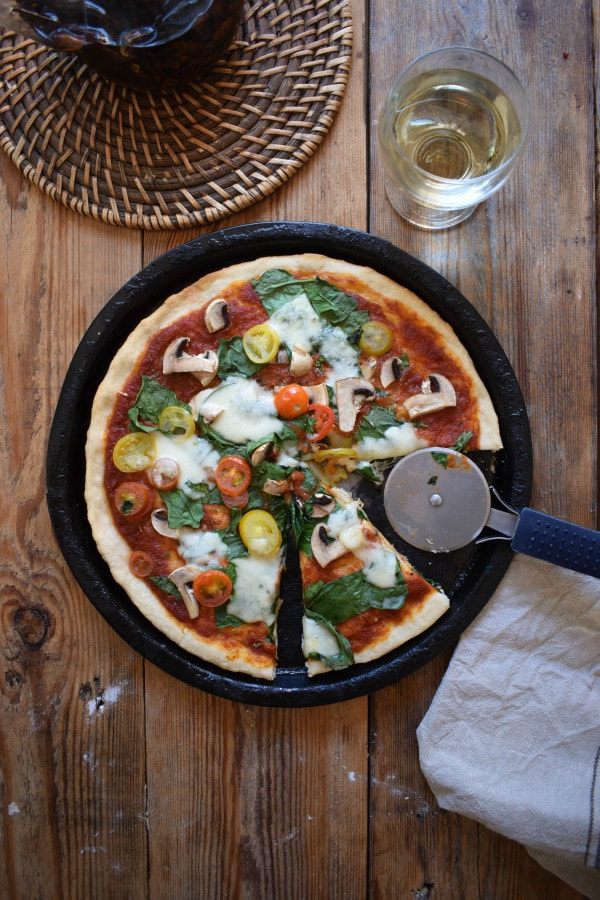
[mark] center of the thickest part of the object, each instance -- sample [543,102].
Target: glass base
[427,217]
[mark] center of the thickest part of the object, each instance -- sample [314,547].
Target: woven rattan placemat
[190,156]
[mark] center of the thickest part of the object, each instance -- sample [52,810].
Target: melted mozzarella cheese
[398,440]
[248,412]
[195,457]
[297,324]
[340,354]
[379,564]
[256,588]
[202,548]
[316,638]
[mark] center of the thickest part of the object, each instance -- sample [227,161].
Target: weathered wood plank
[525,261]
[71,703]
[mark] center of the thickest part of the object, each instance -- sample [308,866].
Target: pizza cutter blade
[438,499]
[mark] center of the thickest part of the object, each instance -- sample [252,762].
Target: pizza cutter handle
[559,542]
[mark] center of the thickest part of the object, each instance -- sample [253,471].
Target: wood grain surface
[118,781]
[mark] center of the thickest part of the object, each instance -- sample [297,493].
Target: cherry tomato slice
[233,475]
[212,587]
[134,452]
[132,499]
[324,418]
[238,502]
[164,474]
[178,422]
[291,401]
[141,564]
[376,338]
[260,533]
[261,343]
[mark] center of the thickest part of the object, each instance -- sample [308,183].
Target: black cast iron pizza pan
[469,575]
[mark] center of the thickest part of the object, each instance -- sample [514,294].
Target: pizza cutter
[439,500]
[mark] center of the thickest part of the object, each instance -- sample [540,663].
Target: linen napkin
[512,737]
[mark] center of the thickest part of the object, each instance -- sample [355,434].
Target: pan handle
[559,542]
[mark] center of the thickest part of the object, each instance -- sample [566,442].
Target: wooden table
[118,780]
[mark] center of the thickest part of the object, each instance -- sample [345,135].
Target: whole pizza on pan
[233,415]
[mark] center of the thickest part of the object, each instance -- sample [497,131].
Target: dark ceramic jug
[143,43]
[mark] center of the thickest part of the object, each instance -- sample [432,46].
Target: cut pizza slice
[362,598]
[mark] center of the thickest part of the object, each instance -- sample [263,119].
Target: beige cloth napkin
[512,738]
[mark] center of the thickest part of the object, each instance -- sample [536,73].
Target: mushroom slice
[391,370]
[325,548]
[183,578]
[216,316]
[210,411]
[350,394]
[276,487]
[160,523]
[322,505]
[436,393]
[317,393]
[301,361]
[177,360]
[260,453]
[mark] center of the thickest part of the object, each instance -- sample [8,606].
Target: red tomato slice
[324,418]
[132,499]
[141,564]
[291,401]
[233,475]
[212,587]
[238,502]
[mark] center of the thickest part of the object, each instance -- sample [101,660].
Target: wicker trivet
[191,156]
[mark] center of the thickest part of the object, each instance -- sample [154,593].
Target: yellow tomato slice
[261,343]
[376,338]
[134,452]
[178,422]
[260,533]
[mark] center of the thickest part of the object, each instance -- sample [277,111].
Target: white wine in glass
[450,135]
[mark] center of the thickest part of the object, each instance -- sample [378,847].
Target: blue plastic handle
[556,541]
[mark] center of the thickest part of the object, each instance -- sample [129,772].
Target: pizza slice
[362,598]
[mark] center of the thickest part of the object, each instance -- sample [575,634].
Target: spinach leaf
[440,458]
[351,595]
[200,490]
[181,509]
[224,618]
[462,441]
[276,288]
[165,584]
[375,423]
[218,441]
[152,398]
[336,307]
[233,359]
[344,657]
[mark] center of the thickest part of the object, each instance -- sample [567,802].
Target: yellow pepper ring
[335,453]
[261,344]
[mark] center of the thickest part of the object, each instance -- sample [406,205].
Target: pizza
[223,437]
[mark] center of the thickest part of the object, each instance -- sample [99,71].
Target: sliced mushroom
[436,393]
[350,394]
[183,578]
[216,316]
[204,366]
[276,487]
[301,361]
[210,411]
[322,505]
[324,547]
[282,356]
[160,523]
[390,371]
[317,393]
[260,453]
